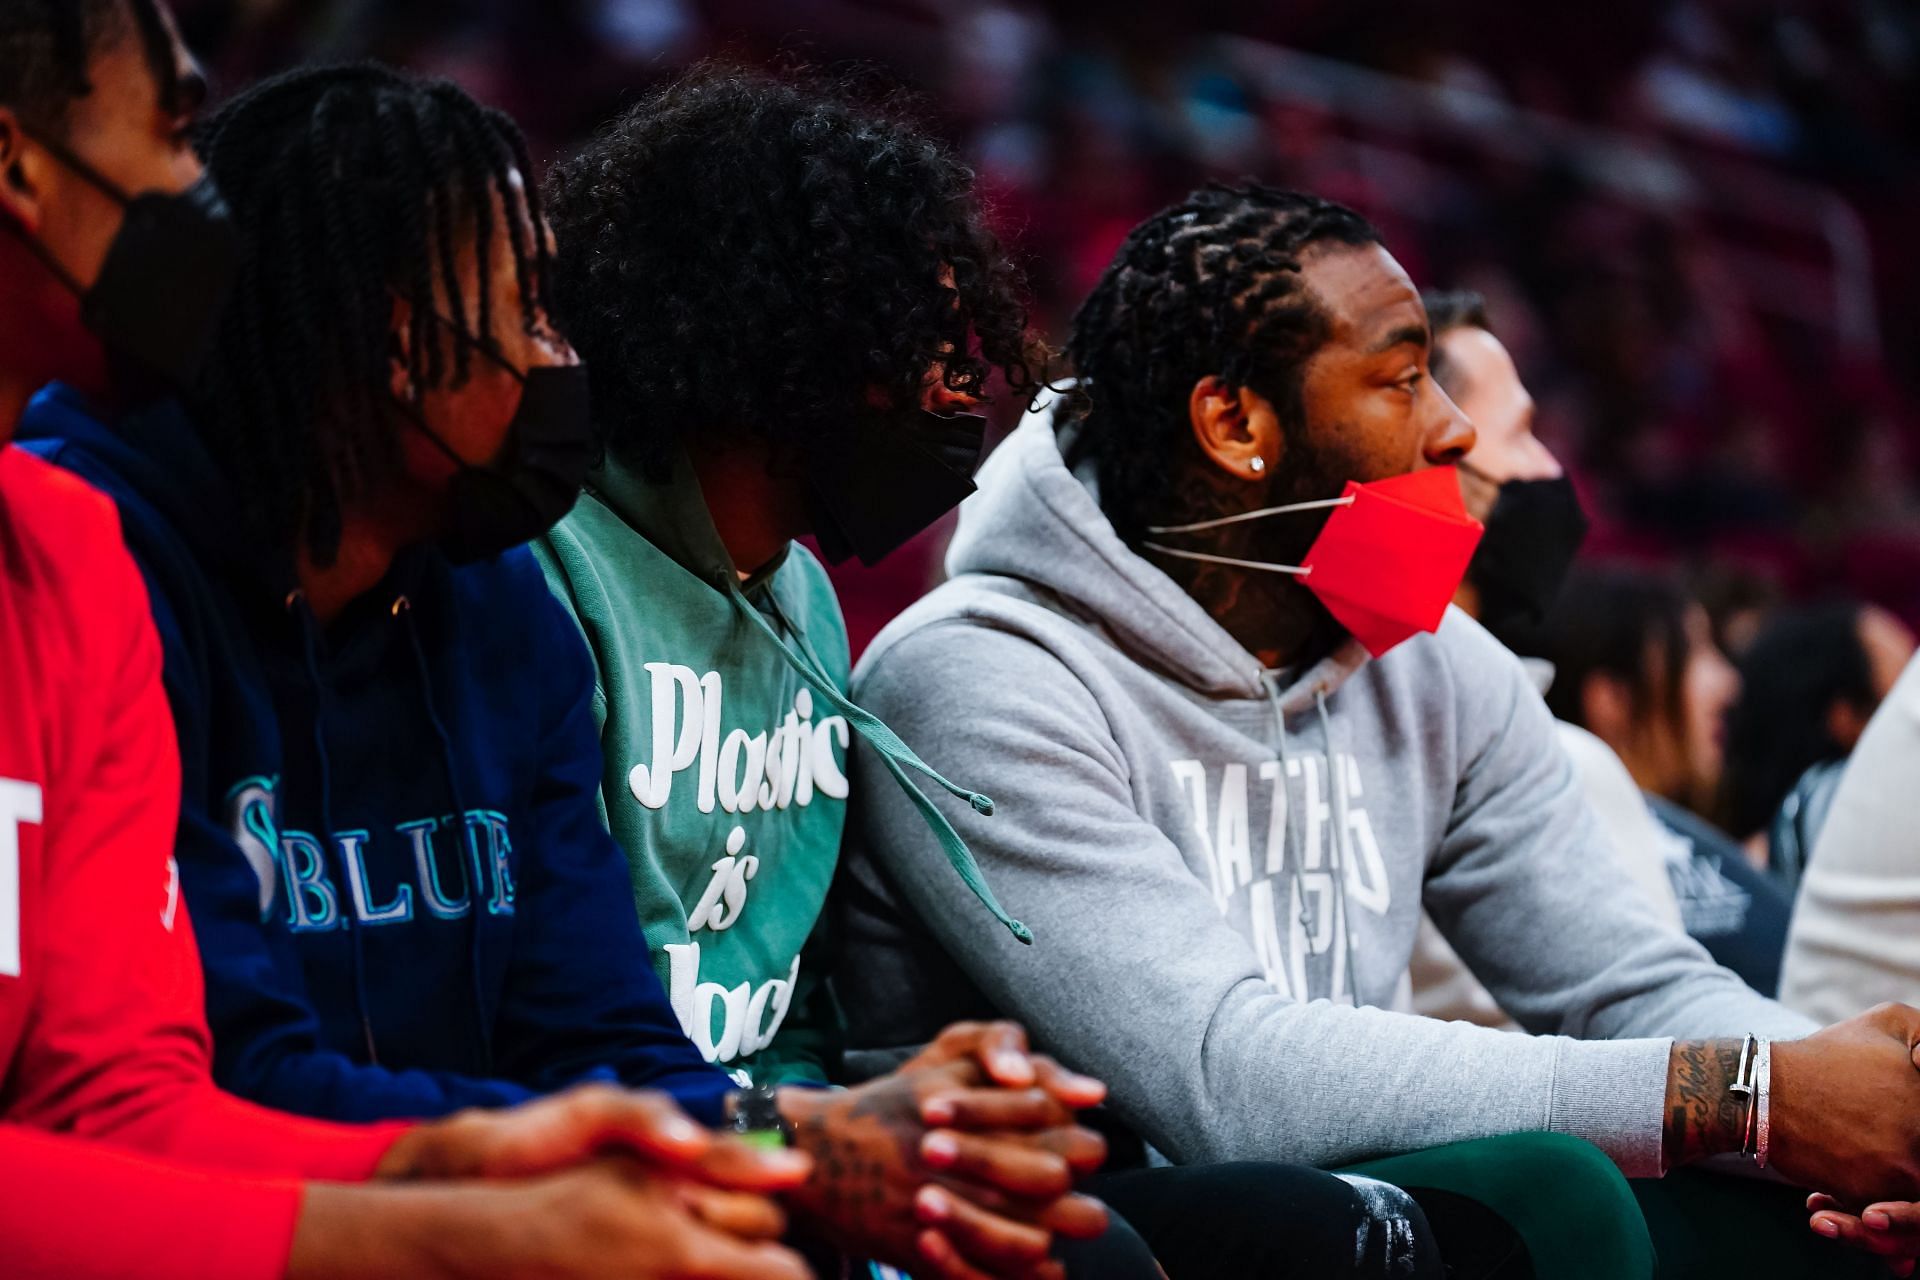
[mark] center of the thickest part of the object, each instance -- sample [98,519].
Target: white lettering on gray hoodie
[1223,866]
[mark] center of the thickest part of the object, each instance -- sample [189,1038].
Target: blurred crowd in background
[1693,219]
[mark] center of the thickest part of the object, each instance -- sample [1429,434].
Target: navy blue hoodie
[349,974]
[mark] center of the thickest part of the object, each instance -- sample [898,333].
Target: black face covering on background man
[890,480]
[156,302]
[1533,533]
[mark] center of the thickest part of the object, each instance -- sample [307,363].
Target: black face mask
[155,305]
[550,446]
[1533,533]
[890,480]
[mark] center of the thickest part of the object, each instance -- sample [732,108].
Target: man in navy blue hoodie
[391,840]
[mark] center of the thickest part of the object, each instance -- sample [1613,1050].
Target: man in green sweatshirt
[789,304]
[722,656]
[721,659]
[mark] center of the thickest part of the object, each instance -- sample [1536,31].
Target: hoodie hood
[158,453]
[673,515]
[1035,520]
[389,831]
[1210,874]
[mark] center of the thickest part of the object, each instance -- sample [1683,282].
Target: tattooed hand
[1845,1106]
[1034,1091]
[942,1203]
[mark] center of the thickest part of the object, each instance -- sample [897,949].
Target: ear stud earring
[1257,464]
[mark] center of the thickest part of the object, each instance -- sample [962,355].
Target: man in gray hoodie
[1221,818]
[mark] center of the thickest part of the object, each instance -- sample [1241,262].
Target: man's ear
[1236,428]
[400,355]
[20,187]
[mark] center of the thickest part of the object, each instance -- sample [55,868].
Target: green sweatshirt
[725,724]
[726,766]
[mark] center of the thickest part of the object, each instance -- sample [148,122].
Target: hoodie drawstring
[1270,681]
[1340,834]
[897,754]
[469,860]
[309,643]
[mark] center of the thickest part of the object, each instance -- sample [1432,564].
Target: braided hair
[1210,286]
[351,187]
[46,45]
[740,251]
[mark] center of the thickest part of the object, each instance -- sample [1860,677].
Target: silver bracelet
[1752,1084]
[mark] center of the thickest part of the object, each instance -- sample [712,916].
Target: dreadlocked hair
[351,187]
[46,46]
[740,251]
[1210,286]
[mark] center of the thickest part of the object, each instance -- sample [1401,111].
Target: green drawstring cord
[891,748]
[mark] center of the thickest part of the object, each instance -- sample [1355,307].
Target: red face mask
[1388,561]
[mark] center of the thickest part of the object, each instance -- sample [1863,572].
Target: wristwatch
[754,1116]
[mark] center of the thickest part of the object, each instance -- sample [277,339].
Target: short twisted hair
[351,187]
[45,46]
[739,251]
[1447,310]
[1208,286]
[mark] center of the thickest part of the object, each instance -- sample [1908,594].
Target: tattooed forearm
[865,1148]
[1703,1116]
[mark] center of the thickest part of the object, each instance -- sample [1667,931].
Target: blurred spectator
[1738,599]
[1717,300]
[1513,484]
[1809,684]
[1635,663]
[1856,928]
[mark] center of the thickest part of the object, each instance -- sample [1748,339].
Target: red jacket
[103,1035]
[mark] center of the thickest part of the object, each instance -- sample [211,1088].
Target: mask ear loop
[1199,526]
[1262,513]
[65,277]
[485,348]
[93,177]
[410,409]
[1297,570]
[100,182]
[472,343]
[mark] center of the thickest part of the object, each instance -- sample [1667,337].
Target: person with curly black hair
[788,301]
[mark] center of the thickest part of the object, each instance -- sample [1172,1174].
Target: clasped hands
[1846,1117]
[958,1166]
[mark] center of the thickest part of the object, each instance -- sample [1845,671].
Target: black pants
[1253,1221]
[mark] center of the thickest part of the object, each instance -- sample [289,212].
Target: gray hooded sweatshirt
[1223,866]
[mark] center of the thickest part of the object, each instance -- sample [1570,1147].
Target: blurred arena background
[1695,220]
